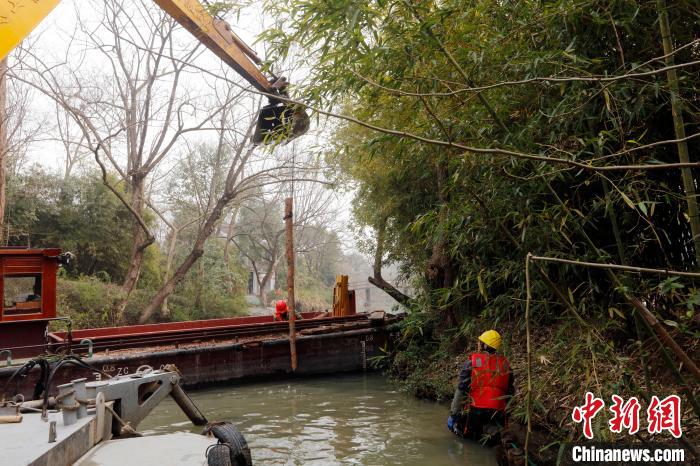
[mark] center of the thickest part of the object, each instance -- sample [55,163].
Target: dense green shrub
[89,302]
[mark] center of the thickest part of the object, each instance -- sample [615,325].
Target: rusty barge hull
[207,363]
[184,333]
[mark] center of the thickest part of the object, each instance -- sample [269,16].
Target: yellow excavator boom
[278,121]
[19,17]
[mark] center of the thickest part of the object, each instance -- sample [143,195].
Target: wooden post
[341,303]
[289,221]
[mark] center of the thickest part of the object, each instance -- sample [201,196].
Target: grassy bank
[567,361]
[89,302]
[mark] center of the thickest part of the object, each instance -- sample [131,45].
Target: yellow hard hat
[491,338]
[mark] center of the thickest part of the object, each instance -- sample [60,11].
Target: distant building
[254,287]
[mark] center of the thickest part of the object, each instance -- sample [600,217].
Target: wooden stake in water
[289,220]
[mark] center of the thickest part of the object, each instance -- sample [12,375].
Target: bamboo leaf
[642,207]
[627,200]
[482,287]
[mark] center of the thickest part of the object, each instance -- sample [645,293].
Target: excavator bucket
[279,122]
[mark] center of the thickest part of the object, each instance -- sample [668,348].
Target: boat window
[22,294]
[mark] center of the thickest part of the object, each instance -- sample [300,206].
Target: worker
[487,379]
[282,312]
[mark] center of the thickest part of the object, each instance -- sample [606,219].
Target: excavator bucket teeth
[280,123]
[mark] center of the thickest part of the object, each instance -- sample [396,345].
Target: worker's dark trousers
[473,421]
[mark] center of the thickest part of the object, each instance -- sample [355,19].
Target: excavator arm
[19,17]
[219,38]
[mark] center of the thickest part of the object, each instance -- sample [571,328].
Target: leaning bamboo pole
[648,316]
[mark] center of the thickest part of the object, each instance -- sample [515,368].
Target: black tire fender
[219,454]
[229,436]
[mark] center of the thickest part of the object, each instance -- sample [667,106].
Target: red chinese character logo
[587,412]
[665,415]
[625,415]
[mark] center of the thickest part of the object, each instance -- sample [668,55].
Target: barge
[206,351]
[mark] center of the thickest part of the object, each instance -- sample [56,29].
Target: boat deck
[27,442]
[177,449]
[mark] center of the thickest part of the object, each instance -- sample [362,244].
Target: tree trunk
[196,252]
[440,270]
[377,280]
[227,252]
[198,301]
[164,310]
[262,295]
[138,249]
[4,149]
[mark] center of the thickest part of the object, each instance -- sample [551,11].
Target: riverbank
[90,303]
[567,361]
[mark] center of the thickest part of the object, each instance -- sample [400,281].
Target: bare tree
[195,187]
[136,111]
[18,130]
[236,183]
[259,237]
[259,234]
[73,145]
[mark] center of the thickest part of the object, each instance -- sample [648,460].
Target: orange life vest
[489,381]
[281,310]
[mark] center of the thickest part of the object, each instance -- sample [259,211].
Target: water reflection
[349,419]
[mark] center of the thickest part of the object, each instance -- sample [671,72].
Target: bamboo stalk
[528,399]
[626,268]
[646,313]
[642,353]
[676,373]
[664,335]
[679,128]
[611,214]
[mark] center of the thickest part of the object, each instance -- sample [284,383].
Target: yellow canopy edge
[18,18]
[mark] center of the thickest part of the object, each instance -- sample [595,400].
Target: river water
[346,419]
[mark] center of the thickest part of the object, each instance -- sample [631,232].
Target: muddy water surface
[348,419]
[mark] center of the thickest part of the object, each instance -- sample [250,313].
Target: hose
[70,359]
[23,370]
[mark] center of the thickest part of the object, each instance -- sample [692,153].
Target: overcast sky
[59,40]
